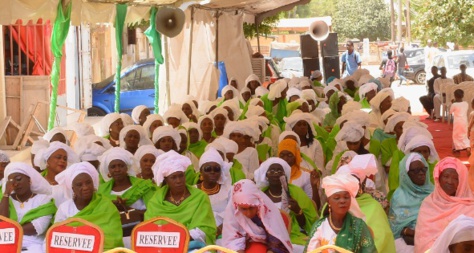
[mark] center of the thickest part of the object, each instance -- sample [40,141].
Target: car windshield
[455,60]
[291,64]
[106,81]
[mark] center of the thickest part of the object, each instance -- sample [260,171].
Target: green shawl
[197,148]
[104,214]
[40,211]
[331,117]
[264,151]
[140,189]
[194,212]
[357,96]
[351,93]
[376,219]
[281,111]
[354,235]
[365,104]
[190,175]
[331,142]
[390,150]
[310,214]
[236,172]
[292,106]
[316,83]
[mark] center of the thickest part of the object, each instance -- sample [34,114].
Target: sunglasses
[209,169]
[418,170]
[274,172]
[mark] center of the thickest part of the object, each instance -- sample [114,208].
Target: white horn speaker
[318,30]
[169,21]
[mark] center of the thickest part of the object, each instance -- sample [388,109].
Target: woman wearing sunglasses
[214,180]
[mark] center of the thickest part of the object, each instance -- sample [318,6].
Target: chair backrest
[334,247]
[11,235]
[120,250]
[74,235]
[160,233]
[214,247]
[287,219]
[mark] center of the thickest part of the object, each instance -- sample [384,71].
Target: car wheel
[94,112]
[420,77]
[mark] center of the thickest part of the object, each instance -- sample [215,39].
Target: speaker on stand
[330,54]
[317,31]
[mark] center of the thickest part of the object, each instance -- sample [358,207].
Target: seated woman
[215,182]
[300,207]
[240,132]
[379,104]
[231,148]
[206,124]
[450,198]
[181,202]
[362,167]
[55,134]
[89,148]
[139,114]
[132,137]
[175,116]
[111,125]
[183,147]
[221,118]
[189,108]
[196,143]
[275,101]
[253,223]
[153,121]
[405,204]
[4,161]
[81,181]
[336,102]
[457,237]
[146,156]
[26,199]
[121,186]
[342,223]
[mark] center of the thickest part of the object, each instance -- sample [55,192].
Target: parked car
[452,60]
[272,72]
[291,67]
[415,68]
[137,88]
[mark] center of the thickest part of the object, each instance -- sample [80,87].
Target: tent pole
[258,37]
[190,50]
[217,38]
[167,68]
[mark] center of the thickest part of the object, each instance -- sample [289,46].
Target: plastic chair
[334,247]
[120,250]
[15,245]
[215,247]
[75,226]
[160,225]
[287,219]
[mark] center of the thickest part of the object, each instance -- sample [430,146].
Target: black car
[415,68]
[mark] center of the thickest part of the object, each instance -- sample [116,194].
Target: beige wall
[3,103]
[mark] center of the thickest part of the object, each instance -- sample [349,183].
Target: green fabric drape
[58,37]
[35,213]
[155,41]
[141,189]
[121,12]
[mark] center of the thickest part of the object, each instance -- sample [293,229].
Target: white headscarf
[235,92]
[294,82]
[401,104]
[143,137]
[410,132]
[175,111]
[350,78]
[230,146]
[87,148]
[217,146]
[191,104]
[127,119]
[163,131]
[233,104]
[254,110]
[297,116]
[256,102]
[39,184]
[387,114]
[365,78]
[395,119]
[293,92]
[361,166]
[344,182]
[211,155]
[51,133]
[286,133]
[350,106]
[222,111]
[366,88]
[107,121]
[328,88]
[202,118]
[413,157]
[422,140]
[309,94]
[244,127]
[4,157]
[242,91]
[83,129]
[136,113]
[251,77]
[261,121]
[381,96]
[167,164]
[146,149]
[66,177]
[38,146]
[352,132]
[191,125]
[459,230]
[149,120]
[360,117]
[205,106]
[276,89]
[260,91]
[117,153]
[260,175]
[41,158]
[246,192]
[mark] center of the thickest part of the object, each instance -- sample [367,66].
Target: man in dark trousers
[427,101]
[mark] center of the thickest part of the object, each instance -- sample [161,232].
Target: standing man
[350,59]
[402,60]
[428,59]
[462,77]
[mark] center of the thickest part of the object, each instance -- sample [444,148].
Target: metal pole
[392,21]
[258,37]
[217,38]
[167,70]
[190,50]
[408,22]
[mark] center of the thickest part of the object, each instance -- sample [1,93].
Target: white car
[452,60]
[291,67]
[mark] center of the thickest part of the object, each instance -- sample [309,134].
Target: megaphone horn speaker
[169,21]
[319,30]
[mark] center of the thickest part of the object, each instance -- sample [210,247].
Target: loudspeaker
[318,30]
[169,21]
[310,65]
[331,67]
[329,46]
[309,47]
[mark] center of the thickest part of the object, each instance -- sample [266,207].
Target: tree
[265,28]
[444,21]
[362,19]
[316,8]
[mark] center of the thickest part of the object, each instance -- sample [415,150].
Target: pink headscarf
[439,209]
[340,182]
[238,227]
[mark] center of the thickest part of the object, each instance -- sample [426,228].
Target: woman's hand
[120,203]
[8,188]
[293,206]
[315,179]
[192,118]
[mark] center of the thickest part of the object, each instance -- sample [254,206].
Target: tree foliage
[444,21]
[265,28]
[362,19]
[316,8]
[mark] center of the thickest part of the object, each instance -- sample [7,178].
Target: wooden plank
[26,125]
[4,125]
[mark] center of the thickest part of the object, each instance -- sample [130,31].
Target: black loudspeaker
[309,47]
[331,67]
[329,46]
[310,65]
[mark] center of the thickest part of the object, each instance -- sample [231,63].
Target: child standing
[459,110]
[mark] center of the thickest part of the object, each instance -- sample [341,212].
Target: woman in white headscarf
[206,125]
[4,161]
[214,180]
[245,96]
[229,92]
[166,138]
[366,93]
[181,202]
[56,134]
[253,223]
[146,156]
[90,147]
[379,104]
[260,91]
[190,110]
[132,137]
[220,118]
[80,183]
[252,83]
[53,159]
[342,222]
[175,116]
[110,127]
[231,148]
[152,122]
[288,197]
[27,200]
[275,101]
[233,109]
[456,237]
[196,144]
[139,114]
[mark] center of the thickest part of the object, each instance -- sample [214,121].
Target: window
[141,78]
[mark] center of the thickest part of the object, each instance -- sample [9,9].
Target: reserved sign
[72,241]
[7,236]
[158,239]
